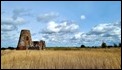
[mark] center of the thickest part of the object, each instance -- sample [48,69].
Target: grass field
[84,58]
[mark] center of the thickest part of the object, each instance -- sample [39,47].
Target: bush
[115,45]
[82,46]
[104,45]
[110,46]
[119,44]
[11,48]
[3,48]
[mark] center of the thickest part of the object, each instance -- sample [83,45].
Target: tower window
[27,38]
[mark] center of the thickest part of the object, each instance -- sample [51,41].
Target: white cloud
[19,20]
[106,30]
[83,17]
[67,33]
[64,32]
[59,32]
[20,12]
[8,27]
[46,17]
[6,20]
[9,39]
[63,27]
[78,35]
[9,24]
[52,27]
[110,29]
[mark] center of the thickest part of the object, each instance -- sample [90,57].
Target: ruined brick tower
[25,40]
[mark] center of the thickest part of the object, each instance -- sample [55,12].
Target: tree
[115,45]
[109,46]
[104,45]
[92,46]
[3,48]
[11,48]
[119,44]
[82,46]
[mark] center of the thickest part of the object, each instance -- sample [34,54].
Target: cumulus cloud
[83,17]
[107,29]
[20,12]
[8,24]
[46,17]
[78,35]
[56,32]
[7,37]
[108,32]
[19,20]
[8,27]
[65,32]
[63,27]
[11,23]
[59,32]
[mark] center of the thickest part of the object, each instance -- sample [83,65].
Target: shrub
[82,46]
[104,45]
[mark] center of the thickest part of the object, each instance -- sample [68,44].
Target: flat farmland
[83,58]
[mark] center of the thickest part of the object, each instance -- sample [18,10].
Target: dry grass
[50,59]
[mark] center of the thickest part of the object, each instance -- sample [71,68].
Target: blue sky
[62,23]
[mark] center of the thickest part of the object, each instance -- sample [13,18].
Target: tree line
[11,48]
[103,45]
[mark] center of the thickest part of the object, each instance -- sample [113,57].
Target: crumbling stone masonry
[40,45]
[25,42]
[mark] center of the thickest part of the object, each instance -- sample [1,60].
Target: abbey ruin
[25,42]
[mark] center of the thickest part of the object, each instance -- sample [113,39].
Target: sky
[62,23]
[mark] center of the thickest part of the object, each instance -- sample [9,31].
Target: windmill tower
[25,40]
